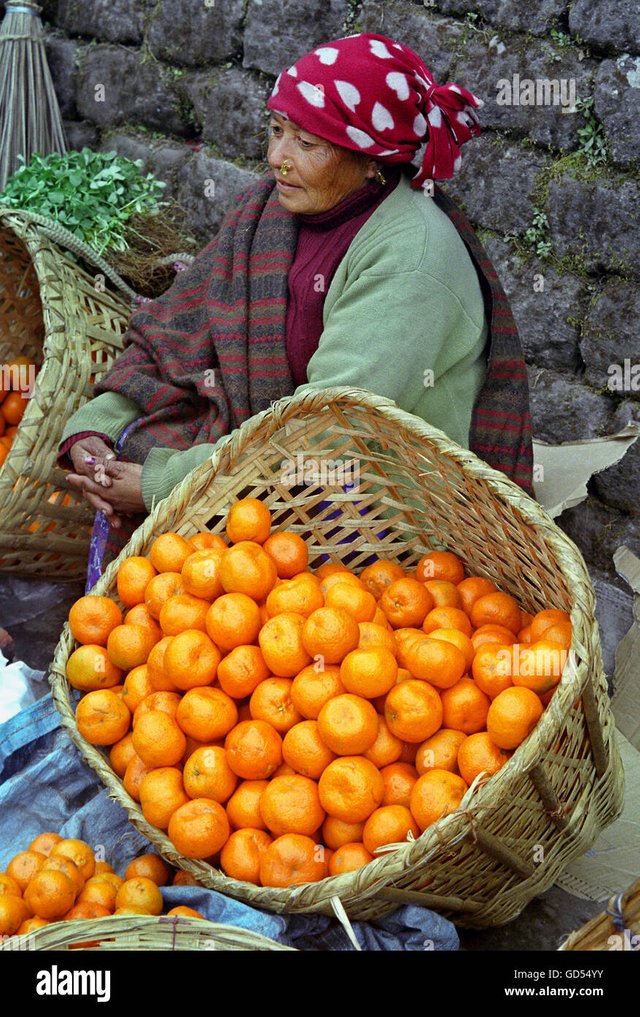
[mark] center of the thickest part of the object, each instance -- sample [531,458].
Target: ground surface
[34,613]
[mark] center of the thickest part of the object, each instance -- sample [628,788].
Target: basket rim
[264,425]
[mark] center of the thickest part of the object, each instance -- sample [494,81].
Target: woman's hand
[114,489]
[87,453]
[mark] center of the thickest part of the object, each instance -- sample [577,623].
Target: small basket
[617,928]
[415,489]
[141,932]
[71,324]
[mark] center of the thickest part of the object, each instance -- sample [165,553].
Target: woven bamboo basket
[617,928]
[71,324]
[141,932]
[416,490]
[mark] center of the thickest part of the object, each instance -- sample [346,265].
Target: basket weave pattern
[417,490]
[53,311]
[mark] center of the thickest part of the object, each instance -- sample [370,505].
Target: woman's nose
[278,152]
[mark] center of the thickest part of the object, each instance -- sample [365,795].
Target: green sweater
[403,317]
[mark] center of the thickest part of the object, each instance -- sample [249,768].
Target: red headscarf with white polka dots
[372,95]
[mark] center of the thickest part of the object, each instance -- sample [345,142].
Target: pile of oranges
[59,879]
[287,724]
[13,401]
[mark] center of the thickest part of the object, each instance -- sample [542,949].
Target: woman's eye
[275,131]
[305,144]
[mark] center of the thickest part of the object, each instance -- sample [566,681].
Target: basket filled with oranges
[347,666]
[60,328]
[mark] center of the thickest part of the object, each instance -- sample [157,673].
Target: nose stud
[285,167]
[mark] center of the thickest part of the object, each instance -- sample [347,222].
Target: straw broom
[28,105]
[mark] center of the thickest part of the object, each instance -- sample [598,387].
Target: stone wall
[552,186]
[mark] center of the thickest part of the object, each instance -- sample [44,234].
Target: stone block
[276,35]
[538,18]
[607,24]
[106,20]
[80,134]
[617,105]
[434,39]
[563,409]
[230,108]
[619,486]
[206,188]
[610,344]
[194,33]
[61,58]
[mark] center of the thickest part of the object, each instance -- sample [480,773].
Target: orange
[242,670]
[161,793]
[390,824]
[80,853]
[86,911]
[492,634]
[141,615]
[436,794]
[271,701]
[379,575]
[359,603]
[191,660]
[497,608]
[9,885]
[398,779]
[133,776]
[140,892]
[156,672]
[413,710]
[97,891]
[335,832]
[465,707]
[89,669]
[184,611]
[183,878]
[91,619]
[158,739]
[524,635]
[538,666]
[369,673]
[181,910]
[169,552]
[199,829]
[206,714]
[304,750]
[313,687]
[13,912]
[386,749]
[137,685]
[340,578]
[134,574]
[479,754]
[243,808]
[458,639]
[544,619]
[254,749]
[102,718]
[240,857]
[166,702]
[204,541]
[103,875]
[247,568]
[233,620]
[348,858]
[440,752]
[282,644]
[289,553]
[330,568]
[351,788]
[160,588]
[121,754]
[348,725]
[374,636]
[291,860]
[301,595]
[248,519]
[4,451]
[104,868]
[61,863]
[472,588]
[13,407]
[330,634]
[31,924]
[512,717]
[436,661]
[201,573]
[291,805]
[440,565]
[447,618]
[406,602]
[492,667]
[23,867]
[207,774]
[443,593]
[130,645]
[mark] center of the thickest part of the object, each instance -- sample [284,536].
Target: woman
[336,268]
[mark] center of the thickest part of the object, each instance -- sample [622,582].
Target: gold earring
[380,177]
[285,167]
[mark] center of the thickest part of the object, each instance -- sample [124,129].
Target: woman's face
[319,175]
